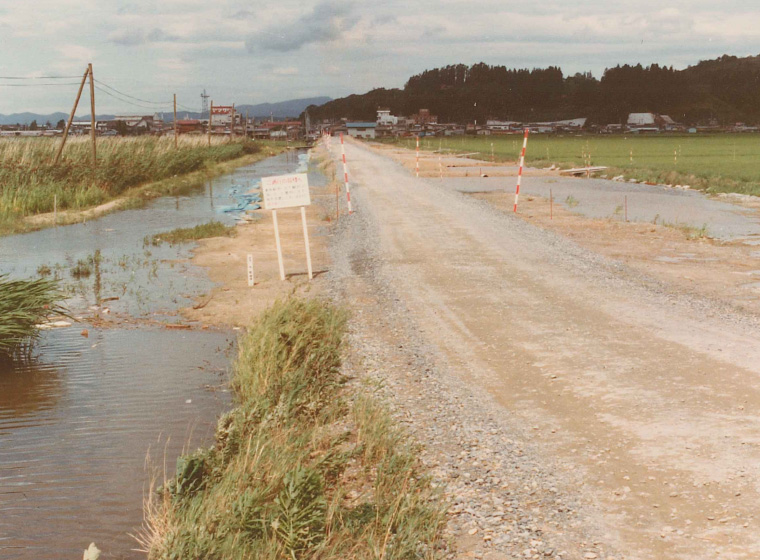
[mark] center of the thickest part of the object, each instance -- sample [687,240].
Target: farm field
[712,163]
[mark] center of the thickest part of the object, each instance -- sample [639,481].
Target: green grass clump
[710,162]
[303,467]
[184,235]
[23,305]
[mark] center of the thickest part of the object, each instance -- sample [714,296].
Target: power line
[163,103]
[39,85]
[128,102]
[38,77]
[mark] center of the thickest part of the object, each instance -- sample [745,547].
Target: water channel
[101,408]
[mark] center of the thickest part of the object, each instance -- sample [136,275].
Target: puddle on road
[77,421]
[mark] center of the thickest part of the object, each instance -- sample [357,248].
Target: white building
[384,118]
[361,129]
[641,119]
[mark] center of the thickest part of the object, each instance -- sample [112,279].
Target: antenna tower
[204,102]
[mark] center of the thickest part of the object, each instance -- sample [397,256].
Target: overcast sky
[253,51]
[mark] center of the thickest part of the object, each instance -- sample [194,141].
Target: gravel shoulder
[574,407]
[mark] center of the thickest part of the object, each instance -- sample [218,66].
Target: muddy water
[148,280]
[76,426]
[79,418]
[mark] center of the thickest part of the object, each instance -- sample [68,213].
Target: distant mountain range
[281,110]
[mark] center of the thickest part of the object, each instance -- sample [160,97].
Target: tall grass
[29,181]
[710,162]
[303,467]
[23,305]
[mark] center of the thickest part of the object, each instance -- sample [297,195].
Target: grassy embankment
[713,163]
[304,467]
[131,169]
[23,305]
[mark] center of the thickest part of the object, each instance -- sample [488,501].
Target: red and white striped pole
[519,172]
[345,174]
[418,157]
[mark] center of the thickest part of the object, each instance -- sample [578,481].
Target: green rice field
[713,162]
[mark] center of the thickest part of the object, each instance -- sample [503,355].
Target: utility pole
[210,112]
[175,121]
[232,122]
[92,117]
[71,117]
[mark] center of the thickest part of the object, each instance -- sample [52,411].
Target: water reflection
[27,387]
[76,424]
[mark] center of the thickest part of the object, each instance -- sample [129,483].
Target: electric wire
[39,85]
[38,77]
[105,91]
[162,103]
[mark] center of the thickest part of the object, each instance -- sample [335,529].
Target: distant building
[503,127]
[187,126]
[424,117]
[637,120]
[651,122]
[384,118]
[361,129]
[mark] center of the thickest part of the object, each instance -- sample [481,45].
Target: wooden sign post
[287,191]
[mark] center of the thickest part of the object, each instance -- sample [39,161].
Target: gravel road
[572,407]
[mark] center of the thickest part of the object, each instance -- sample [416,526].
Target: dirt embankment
[583,389]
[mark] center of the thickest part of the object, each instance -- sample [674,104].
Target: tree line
[726,90]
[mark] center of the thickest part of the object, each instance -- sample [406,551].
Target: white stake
[418,157]
[251,280]
[345,174]
[306,241]
[279,247]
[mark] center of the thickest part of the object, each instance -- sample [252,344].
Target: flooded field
[79,419]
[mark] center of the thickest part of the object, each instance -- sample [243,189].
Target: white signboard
[221,115]
[285,191]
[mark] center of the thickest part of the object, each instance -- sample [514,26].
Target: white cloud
[246,48]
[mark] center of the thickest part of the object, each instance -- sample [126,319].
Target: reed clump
[303,467]
[213,228]
[24,304]
[30,183]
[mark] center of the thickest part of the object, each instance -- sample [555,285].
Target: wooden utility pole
[246,124]
[175,121]
[210,112]
[92,117]
[232,120]
[71,117]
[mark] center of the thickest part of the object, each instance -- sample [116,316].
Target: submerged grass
[201,231]
[713,163]
[31,184]
[23,305]
[303,467]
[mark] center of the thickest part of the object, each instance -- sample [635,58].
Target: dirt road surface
[573,406]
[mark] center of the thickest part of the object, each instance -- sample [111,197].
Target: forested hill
[726,89]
